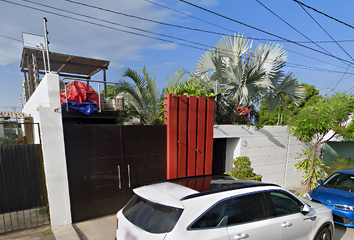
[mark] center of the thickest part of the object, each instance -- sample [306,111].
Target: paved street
[343,233]
[104,228]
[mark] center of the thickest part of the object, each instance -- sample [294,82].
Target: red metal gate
[190,122]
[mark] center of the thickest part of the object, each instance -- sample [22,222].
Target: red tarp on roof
[79,92]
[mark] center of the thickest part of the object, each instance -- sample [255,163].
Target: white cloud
[78,38]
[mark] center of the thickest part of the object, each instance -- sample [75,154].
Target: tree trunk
[278,116]
[308,185]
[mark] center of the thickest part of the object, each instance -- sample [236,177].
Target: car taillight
[117,223]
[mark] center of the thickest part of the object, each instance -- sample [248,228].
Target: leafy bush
[242,169]
[7,141]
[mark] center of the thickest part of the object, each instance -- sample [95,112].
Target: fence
[23,194]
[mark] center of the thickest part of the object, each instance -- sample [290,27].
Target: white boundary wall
[44,106]
[271,150]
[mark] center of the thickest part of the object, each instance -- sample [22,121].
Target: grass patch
[48,232]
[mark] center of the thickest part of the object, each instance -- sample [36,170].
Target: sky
[130,42]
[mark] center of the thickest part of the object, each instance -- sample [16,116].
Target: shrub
[242,169]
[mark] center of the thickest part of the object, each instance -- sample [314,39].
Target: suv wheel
[323,235]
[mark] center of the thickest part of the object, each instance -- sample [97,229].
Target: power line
[341,78]
[11,38]
[293,65]
[184,27]
[314,9]
[144,19]
[298,30]
[259,39]
[105,26]
[333,40]
[325,31]
[118,24]
[260,30]
[333,82]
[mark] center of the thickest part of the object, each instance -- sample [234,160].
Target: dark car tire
[324,234]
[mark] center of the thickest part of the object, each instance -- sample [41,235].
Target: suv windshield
[151,217]
[341,181]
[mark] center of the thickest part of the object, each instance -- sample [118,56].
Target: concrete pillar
[44,106]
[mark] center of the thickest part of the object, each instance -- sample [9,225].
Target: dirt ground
[30,234]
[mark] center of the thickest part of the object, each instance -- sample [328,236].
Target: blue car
[337,193]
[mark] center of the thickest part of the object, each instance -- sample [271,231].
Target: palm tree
[143,95]
[249,75]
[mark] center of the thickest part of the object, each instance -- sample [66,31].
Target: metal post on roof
[105,84]
[99,99]
[44,61]
[46,41]
[66,97]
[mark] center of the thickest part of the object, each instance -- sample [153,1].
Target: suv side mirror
[305,209]
[320,181]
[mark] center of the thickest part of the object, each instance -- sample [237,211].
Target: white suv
[221,208]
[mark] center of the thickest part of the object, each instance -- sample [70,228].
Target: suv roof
[209,184]
[171,193]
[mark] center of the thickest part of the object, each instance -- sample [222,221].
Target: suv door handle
[286,224]
[313,218]
[240,236]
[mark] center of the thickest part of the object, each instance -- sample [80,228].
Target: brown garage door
[105,162]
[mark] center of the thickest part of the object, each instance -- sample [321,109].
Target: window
[283,203]
[212,217]
[151,217]
[341,181]
[331,182]
[239,210]
[246,209]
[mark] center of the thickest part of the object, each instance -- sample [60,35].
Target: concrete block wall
[271,150]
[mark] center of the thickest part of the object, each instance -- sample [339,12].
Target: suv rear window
[151,217]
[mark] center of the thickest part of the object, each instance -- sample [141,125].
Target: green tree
[250,76]
[319,167]
[323,116]
[143,96]
[286,109]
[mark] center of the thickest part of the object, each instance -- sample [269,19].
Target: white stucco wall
[44,106]
[271,150]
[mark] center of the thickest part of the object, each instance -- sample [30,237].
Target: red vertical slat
[201,136]
[165,104]
[209,133]
[171,108]
[182,136]
[192,130]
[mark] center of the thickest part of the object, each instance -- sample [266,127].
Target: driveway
[104,228]
[343,233]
